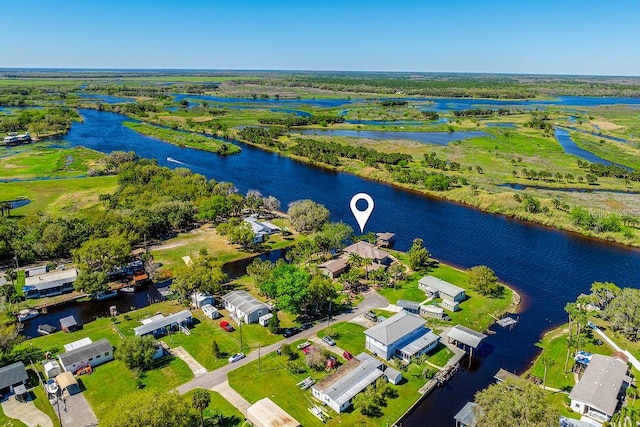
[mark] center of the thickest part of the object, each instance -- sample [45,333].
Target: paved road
[75,411]
[215,378]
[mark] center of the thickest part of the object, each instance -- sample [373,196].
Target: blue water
[570,147]
[388,122]
[502,125]
[290,111]
[269,102]
[437,138]
[548,267]
[106,99]
[598,134]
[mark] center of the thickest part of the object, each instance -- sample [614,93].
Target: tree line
[292,120]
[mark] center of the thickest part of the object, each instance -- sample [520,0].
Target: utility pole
[259,358]
[240,326]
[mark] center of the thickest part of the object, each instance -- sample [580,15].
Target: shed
[12,376]
[432,311]
[200,299]
[51,369]
[393,376]
[21,393]
[466,336]
[264,320]
[265,413]
[68,324]
[66,381]
[35,271]
[503,375]
[467,416]
[210,311]
[410,306]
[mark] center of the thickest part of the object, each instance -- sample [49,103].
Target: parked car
[226,326]
[370,315]
[303,345]
[347,355]
[328,340]
[289,332]
[236,357]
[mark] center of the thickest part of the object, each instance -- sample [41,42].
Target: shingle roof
[350,379]
[601,383]
[179,317]
[85,352]
[366,250]
[244,301]
[395,327]
[440,285]
[466,335]
[12,374]
[334,265]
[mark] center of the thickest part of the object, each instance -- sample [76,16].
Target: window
[90,359]
[106,354]
[98,357]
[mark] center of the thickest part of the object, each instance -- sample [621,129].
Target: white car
[329,340]
[236,357]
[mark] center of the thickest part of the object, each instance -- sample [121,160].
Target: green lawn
[114,381]
[9,422]
[41,160]
[351,337]
[273,380]
[220,406]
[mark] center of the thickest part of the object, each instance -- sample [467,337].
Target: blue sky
[514,36]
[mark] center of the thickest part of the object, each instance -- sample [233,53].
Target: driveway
[25,412]
[75,411]
[193,364]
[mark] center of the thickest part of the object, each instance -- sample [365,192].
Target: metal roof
[265,413]
[65,380]
[466,335]
[244,302]
[52,279]
[393,374]
[467,415]
[432,309]
[77,344]
[179,317]
[440,285]
[68,322]
[85,352]
[601,383]
[350,379]
[12,374]
[412,305]
[395,327]
[420,343]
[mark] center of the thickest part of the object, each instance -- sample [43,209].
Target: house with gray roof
[159,324]
[450,294]
[244,306]
[410,306]
[12,376]
[598,392]
[468,415]
[403,335]
[465,337]
[261,229]
[94,354]
[338,389]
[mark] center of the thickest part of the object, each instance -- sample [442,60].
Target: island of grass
[185,139]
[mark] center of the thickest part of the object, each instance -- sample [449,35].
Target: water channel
[548,267]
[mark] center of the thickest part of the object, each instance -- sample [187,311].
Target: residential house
[45,284]
[265,413]
[338,389]
[261,229]
[334,267]
[410,306]
[11,376]
[244,307]
[158,325]
[450,294]
[200,299]
[598,392]
[94,354]
[367,250]
[403,335]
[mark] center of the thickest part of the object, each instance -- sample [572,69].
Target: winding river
[548,267]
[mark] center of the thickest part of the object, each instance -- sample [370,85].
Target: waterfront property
[450,294]
[89,354]
[244,307]
[261,229]
[403,335]
[12,376]
[69,324]
[467,337]
[385,239]
[334,267]
[265,413]
[598,392]
[467,416]
[367,250]
[158,325]
[49,284]
[338,389]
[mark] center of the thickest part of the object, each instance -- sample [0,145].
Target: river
[548,267]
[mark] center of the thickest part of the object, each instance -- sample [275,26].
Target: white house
[261,229]
[55,282]
[158,325]
[338,389]
[450,294]
[51,368]
[598,392]
[210,311]
[403,335]
[94,354]
[200,299]
[244,306]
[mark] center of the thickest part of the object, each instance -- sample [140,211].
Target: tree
[321,291]
[241,234]
[260,271]
[9,337]
[200,401]
[484,280]
[623,313]
[307,216]
[215,209]
[418,255]
[547,362]
[215,349]
[103,253]
[315,359]
[274,323]
[155,410]
[351,280]
[137,352]
[91,282]
[602,293]
[333,236]
[204,274]
[515,402]
[368,402]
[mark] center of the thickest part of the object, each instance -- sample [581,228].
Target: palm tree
[200,401]
[547,362]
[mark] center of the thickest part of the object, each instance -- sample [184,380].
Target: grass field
[42,160]
[350,338]
[219,406]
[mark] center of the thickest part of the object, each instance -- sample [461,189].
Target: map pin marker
[361,216]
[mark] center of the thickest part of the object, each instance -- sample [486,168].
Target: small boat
[27,314]
[105,295]
[128,289]
[46,329]
[52,387]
